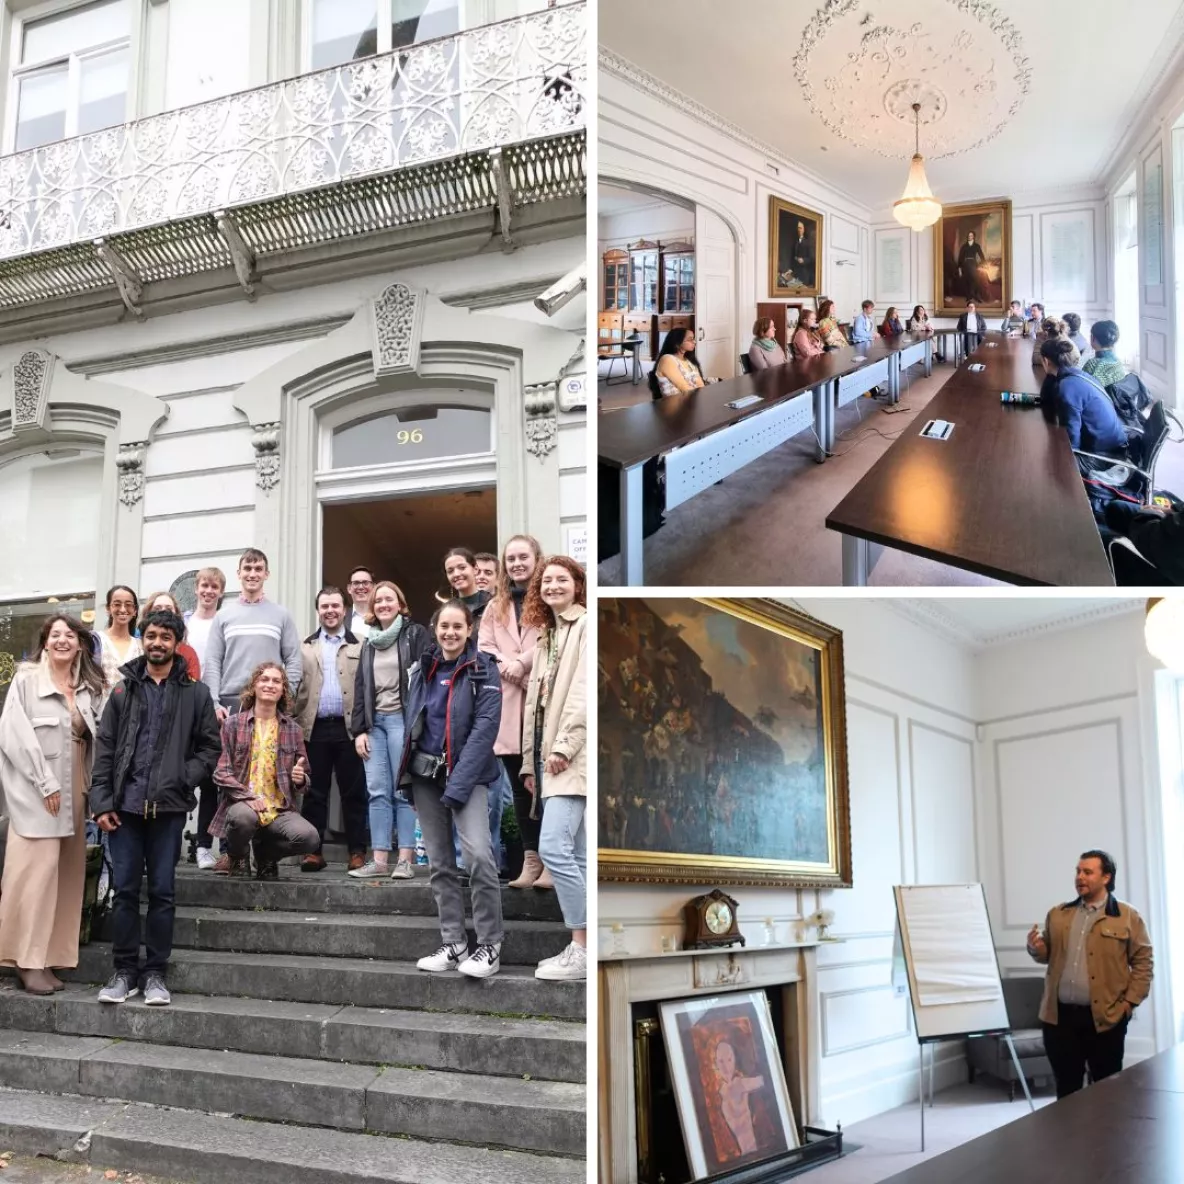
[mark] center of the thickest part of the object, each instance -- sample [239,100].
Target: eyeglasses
[361,583]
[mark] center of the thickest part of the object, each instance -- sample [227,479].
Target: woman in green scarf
[395,644]
[764,350]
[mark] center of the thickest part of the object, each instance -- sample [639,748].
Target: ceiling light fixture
[1163,631]
[917,207]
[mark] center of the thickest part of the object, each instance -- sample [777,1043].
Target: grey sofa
[989,1054]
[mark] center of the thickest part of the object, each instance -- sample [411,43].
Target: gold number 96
[414,436]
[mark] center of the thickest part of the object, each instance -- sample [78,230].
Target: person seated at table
[863,329]
[1104,365]
[1014,321]
[919,323]
[891,326]
[972,327]
[1076,401]
[1073,325]
[677,371]
[829,332]
[764,350]
[805,343]
[1050,329]
[1035,316]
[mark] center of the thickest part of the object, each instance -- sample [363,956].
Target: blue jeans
[388,807]
[140,845]
[499,796]
[563,850]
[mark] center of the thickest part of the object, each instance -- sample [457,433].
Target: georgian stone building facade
[271,281]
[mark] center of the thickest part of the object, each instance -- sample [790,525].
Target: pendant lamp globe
[917,207]
[1163,630]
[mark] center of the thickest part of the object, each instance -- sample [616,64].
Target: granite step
[308,978]
[524,1115]
[491,1046]
[211,1149]
[345,935]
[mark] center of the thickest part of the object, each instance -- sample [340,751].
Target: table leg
[855,562]
[820,394]
[928,357]
[894,368]
[637,366]
[632,574]
[832,413]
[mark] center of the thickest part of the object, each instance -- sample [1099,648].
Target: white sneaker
[206,859]
[370,870]
[445,958]
[403,870]
[484,961]
[570,966]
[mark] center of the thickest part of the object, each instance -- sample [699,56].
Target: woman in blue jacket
[451,717]
[1078,403]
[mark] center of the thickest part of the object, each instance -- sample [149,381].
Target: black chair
[745,364]
[1134,476]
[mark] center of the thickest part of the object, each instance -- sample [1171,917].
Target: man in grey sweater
[249,630]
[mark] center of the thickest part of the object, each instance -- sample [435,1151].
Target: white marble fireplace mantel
[680,974]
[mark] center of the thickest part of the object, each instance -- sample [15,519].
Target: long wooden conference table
[705,438]
[1128,1129]
[1001,496]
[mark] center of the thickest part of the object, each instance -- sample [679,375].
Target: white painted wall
[651,136]
[1031,259]
[910,702]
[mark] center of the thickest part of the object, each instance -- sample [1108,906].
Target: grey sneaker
[403,870]
[120,989]
[156,994]
[370,871]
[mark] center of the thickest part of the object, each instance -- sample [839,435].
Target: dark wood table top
[1002,496]
[1128,1129]
[626,438]
[1008,363]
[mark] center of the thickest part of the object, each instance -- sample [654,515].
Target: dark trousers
[142,846]
[522,798]
[331,750]
[1073,1042]
[207,807]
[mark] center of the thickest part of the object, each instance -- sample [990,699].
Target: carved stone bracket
[32,377]
[130,463]
[573,382]
[266,442]
[131,289]
[505,203]
[241,255]
[397,327]
[542,427]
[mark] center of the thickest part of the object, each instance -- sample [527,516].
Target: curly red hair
[534,610]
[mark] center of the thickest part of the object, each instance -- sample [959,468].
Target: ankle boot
[532,868]
[544,881]
[240,867]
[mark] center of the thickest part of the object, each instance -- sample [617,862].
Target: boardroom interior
[759,166]
[989,741]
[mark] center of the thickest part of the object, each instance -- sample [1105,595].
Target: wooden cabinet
[643,277]
[678,277]
[784,317]
[675,321]
[616,280]
[653,285]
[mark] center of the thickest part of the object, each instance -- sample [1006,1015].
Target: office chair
[745,364]
[1135,476]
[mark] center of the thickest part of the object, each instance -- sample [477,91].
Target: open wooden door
[715,295]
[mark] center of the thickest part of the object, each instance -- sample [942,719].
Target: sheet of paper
[950,938]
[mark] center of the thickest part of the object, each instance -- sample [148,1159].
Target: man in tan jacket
[1099,970]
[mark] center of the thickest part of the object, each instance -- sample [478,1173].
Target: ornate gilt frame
[999,205]
[643,867]
[776,291]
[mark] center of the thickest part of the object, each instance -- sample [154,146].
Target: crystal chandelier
[1163,631]
[917,207]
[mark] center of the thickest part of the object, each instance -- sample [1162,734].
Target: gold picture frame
[792,275]
[712,773]
[959,272]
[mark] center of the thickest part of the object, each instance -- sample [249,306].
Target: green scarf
[768,344]
[383,639]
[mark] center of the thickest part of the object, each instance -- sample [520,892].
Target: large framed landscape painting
[795,250]
[722,744]
[972,258]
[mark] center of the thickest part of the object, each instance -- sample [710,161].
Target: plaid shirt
[233,773]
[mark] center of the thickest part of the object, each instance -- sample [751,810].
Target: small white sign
[576,543]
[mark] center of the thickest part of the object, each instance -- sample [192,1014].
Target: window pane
[103,98]
[78,29]
[343,30]
[421,20]
[20,628]
[413,433]
[41,108]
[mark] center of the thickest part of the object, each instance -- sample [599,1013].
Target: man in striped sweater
[247,631]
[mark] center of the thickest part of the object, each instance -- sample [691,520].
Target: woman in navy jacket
[451,717]
[1078,403]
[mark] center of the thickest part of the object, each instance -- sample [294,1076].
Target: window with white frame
[71,73]
[343,30]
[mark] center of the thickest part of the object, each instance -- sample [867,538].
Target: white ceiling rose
[961,60]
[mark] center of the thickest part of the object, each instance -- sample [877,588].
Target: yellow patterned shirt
[264,758]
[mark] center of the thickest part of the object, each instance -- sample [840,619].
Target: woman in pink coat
[503,636]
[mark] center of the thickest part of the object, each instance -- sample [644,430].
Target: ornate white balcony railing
[512,83]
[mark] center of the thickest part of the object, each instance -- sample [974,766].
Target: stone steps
[212,1149]
[365,982]
[345,935]
[525,1115]
[480,1044]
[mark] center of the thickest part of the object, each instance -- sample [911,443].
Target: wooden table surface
[1002,496]
[1128,1129]
[628,437]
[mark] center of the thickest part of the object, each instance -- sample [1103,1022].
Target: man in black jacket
[158,738]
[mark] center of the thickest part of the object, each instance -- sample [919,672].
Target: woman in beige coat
[511,643]
[47,732]
[554,752]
